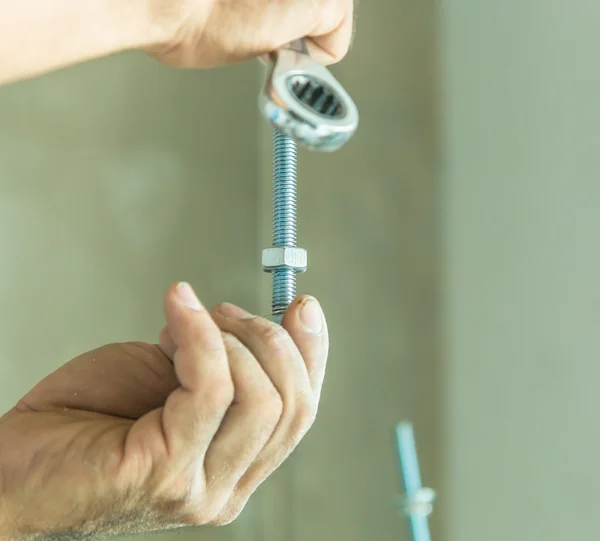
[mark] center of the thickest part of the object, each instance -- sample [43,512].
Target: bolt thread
[284,290]
[285,165]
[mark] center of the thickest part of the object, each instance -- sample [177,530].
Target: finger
[326,23]
[305,322]
[166,343]
[247,426]
[271,344]
[281,360]
[330,40]
[192,414]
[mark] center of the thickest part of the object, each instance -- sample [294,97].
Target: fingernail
[311,316]
[187,297]
[234,312]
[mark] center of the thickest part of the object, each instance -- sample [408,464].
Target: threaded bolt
[285,165]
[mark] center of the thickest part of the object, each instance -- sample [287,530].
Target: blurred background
[453,244]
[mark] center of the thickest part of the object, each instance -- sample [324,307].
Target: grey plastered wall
[121,176]
[521,197]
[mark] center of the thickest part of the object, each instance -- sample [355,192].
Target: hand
[37,38]
[135,437]
[207,33]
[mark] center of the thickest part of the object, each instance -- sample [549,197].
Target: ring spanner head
[304,101]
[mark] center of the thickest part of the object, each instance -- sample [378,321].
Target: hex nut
[285,258]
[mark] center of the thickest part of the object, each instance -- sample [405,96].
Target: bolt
[289,259]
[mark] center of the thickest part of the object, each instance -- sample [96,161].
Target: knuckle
[340,22]
[338,48]
[274,335]
[191,517]
[199,519]
[339,52]
[270,41]
[182,500]
[271,404]
[231,511]
[189,511]
[218,395]
[201,350]
[207,512]
[172,501]
[304,417]
[226,518]
[232,343]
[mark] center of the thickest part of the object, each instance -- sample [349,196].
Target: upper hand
[133,437]
[206,33]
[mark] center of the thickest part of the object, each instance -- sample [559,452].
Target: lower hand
[135,437]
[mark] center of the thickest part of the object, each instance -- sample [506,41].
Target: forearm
[37,36]
[104,520]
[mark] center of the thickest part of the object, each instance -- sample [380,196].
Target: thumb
[305,322]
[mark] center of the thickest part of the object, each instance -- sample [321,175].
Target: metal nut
[285,258]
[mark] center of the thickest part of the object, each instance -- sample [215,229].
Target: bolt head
[285,258]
